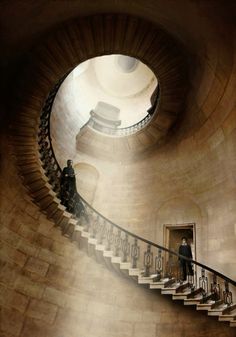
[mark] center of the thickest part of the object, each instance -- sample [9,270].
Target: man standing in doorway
[185,265]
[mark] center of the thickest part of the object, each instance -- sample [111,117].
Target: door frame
[168,227]
[166,236]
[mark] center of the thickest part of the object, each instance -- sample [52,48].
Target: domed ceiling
[120,81]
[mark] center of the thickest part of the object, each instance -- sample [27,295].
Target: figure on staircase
[68,186]
[185,265]
[68,192]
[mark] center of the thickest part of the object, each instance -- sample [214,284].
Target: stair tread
[92,240]
[108,253]
[78,228]
[184,292]
[162,281]
[174,286]
[134,271]
[233,324]
[208,302]
[116,259]
[230,314]
[221,307]
[100,248]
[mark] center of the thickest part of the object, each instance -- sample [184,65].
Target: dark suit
[185,265]
[68,187]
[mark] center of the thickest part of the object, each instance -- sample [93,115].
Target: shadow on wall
[87,177]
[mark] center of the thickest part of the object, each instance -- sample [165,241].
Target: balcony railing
[118,132]
[127,131]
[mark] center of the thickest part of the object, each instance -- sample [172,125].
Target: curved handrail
[129,130]
[53,171]
[156,245]
[126,131]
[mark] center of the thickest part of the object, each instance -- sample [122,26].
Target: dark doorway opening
[173,234]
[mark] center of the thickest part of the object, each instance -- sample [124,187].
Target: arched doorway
[86,179]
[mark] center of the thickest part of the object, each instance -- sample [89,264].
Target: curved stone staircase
[167,286]
[98,239]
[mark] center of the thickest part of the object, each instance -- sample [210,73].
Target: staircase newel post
[125,246]
[169,267]
[117,242]
[101,232]
[109,237]
[203,284]
[95,226]
[190,279]
[227,294]
[135,253]
[215,289]
[148,260]
[87,219]
[158,265]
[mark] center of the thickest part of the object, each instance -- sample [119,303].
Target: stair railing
[155,261]
[127,131]
[118,132]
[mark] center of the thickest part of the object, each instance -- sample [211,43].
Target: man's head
[184,240]
[69,163]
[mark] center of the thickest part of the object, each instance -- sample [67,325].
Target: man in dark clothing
[186,266]
[68,186]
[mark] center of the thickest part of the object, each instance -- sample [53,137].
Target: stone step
[107,257]
[99,249]
[169,282]
[116,260]
[206,306]
[125,265]
[228,314]
[108,253]
[72,223]
[158,284]
[77,233]
[146,279]
[194,298]
[217,311]
[181,295]
[233,324]
[91,241]
[174,288]
[91,244]
[228,317]
[135,272]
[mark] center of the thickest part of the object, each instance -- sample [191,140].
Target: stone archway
[87,177]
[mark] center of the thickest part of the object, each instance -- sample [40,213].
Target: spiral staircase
[129,255]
